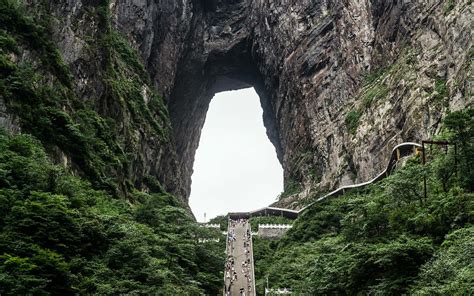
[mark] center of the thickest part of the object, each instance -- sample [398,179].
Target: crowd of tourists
[239,256]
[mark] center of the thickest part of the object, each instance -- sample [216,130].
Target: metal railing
[399,151]
[275,226]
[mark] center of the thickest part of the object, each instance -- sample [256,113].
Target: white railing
[226,253]
[380,176]
[207,240]
[282,291]
[394,157]
[254,280]
[275,226]
[341,190]
[211,226]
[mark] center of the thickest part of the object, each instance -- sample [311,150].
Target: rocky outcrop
[340,82]
[7,120]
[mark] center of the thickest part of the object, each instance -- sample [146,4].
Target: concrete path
[239,272]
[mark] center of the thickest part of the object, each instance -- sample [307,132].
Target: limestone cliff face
[341,82]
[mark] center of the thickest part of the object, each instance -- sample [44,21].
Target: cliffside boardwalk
[399,151]
[239,276]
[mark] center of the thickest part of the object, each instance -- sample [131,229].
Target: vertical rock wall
[341,82]
[315,63]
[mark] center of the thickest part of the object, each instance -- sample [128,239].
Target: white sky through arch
[236,167]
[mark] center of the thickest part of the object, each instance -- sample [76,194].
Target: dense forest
[59,236]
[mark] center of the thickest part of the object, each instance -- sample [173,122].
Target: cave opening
[202,73]
[235,167]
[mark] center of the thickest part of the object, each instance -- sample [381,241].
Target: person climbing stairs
[239,276]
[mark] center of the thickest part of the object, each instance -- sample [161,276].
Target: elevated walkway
[266,211]
[398,152]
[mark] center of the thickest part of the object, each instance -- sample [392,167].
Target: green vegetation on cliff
[97,133]
[387,239]
[59,236]
[352,121]
[83,228]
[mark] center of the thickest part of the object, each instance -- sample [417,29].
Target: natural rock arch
[221,60]
[307,61]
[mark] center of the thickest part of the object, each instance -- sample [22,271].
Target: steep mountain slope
[88,96]
[103,102]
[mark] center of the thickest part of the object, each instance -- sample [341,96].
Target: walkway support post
[424,175]
[445,144]
[456,159]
